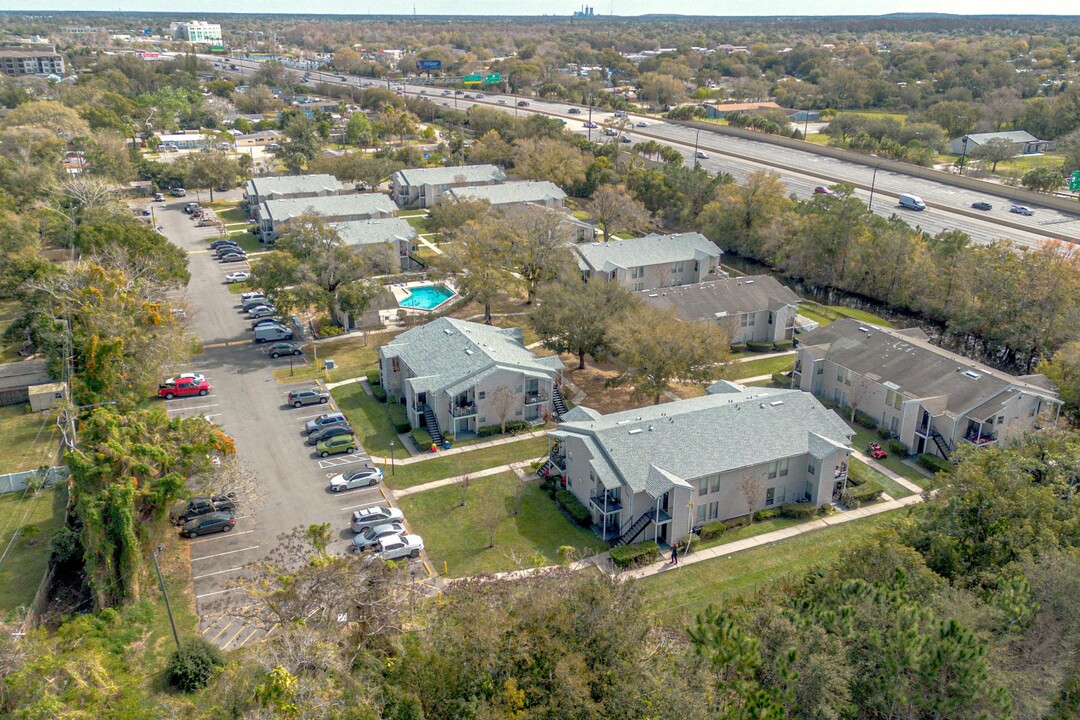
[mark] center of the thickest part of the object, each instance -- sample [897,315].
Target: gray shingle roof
[294,184]
[1016,136]
[918,368]
[518,191]
[24,373]
[447,351]
[710,434]
[717,298]
[329,206]
[449,175]
[651,249]
[373,232]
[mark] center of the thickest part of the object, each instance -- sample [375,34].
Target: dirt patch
[594,379]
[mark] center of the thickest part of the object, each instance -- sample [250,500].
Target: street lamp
[391,458]
[873,182]
[697,135]
[589,126]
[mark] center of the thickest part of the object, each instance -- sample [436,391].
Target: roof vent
[653,295]
[635,431]
[749,282]
[650,428]
[468,351]
[762,406]
[972,375]
[448,331]
[774,403]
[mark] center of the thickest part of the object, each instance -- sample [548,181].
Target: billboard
[429,64]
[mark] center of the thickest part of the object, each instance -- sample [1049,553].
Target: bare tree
[87,192]
[229,476]
[857,392]
[492,515]
[503,401]
[519,494]
[615,208]
[752,491]
[463,490]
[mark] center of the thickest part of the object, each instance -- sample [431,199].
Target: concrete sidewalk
[887,472]
[765,356]
[462,449]
[512,467]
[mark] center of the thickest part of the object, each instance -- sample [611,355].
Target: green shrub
[865,420]
[192,665]
[512,428]
[754,346]
[783,345]
[374,377]
[688,543]
[636,554]
[712,530]
[767,514]
[883,434]
[549,486]
[327,328]
[398,417]
[781,380]
[798,510]
[898,448]
[569,502]
[378,393]
[934,463]
[738,347]
[857,495]
[422,438]
[858,474]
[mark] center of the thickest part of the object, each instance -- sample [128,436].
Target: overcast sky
[561,7]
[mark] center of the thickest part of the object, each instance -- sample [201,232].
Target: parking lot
[252,407]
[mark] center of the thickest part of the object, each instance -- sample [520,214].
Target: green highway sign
[474,78]
[493,78]
[1074,182]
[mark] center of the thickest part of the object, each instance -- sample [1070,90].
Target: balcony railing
[531,398]
[463,410]
[605,503]
[980,439]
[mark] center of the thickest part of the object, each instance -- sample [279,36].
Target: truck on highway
[912,202]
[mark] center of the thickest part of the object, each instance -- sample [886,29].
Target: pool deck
[402,291]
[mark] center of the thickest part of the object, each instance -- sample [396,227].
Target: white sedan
[364,477]
[237,277]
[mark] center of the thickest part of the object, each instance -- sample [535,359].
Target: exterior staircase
[634,530]
[941,442]
[546,469]
[432,426]
[557,401]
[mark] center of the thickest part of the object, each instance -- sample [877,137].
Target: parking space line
[220,536]
[195,407]
[227,552]
[357,507]
[242,629]
[245,641]
[219,572]
[383,493]
[222,630]
[216,592]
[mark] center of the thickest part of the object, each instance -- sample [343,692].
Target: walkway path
[900,479]
[461,448]
[764,356]
[428,244]
[512,467]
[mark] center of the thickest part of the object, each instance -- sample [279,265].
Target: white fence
[16,482]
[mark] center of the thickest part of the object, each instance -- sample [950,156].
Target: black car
[209,523]
[982,205]
[264,321]
[283,348]
[574,111]
[226,249]
[328,432]
[219,243]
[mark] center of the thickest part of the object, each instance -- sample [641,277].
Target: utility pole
[168,607]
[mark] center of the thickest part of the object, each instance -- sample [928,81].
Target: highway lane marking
[217,592]
[219,572]
[227,552]
[232,534]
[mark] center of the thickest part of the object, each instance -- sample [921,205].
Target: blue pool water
[427,297]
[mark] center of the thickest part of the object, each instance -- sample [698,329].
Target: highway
[949,207]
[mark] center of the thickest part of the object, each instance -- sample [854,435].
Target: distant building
[1025,142]
[423,186]
[717,112]
[16,63]
[286,187]
[518,192]
[18,378]
[585,12]
[650,262]
[183,141]
[272,215]
[197,31]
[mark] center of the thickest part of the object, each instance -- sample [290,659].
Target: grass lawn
[368,417]
[680,594]
[352,358]
[518,321]
[228,212]
[764,366]
[25,563]
[898,117]
[861,315]
[247,242]
[30,439]
[893,488]
[458,535]
[864,437]
[811,314]
[467,462]
[752,530]
[419,223]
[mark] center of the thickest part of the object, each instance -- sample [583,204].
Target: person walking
[675,555]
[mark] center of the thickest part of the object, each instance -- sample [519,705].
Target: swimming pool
[426,297]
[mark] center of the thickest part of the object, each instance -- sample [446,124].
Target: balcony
[605,503]
[979,439]
[463,410]
[531,398]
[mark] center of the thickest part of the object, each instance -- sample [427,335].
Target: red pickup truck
[183,387]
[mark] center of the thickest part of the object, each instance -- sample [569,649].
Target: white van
[267,333]
[912,202]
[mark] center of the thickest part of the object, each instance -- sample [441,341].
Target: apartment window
[638,287]
[677,267]
[783,496]
[770,317]
[1001,419]
[696,266]
[783,467]
[714,510]
[839,374]
[482,419]
[481,395]
[518,413]
[772,470]
[716,483]
[517,388]
[395,364]
[770,497]
[637,272]
[700,514]
[820,369]
[811,469]
[747,320]
[703,486]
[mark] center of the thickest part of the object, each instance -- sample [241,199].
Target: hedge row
[781,380]
[422,438]
[857,495]
[379,393]
[712,530]
[398,417]
[767,514]
[373,377]
[934,463]
[636,554]
[569,502]
[865,420]
[758,346]
[798,510]
[898,448]
[512,428]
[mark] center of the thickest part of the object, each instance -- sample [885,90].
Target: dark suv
[297,398]
[209,523]
[328,432]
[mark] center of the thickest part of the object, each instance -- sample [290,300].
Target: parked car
[229,249]
[1021,210]
[398,547]
[268,321]
[371,536]
[372,516]
[272,332]
[337,445]
[209,523]
[178,192]
[237,277]
[247,305]
[253,294]
[203,505]
[822,190]
[874,450]
[260,311]
[310,396]
[325,420]
[283,348]
[159,197]
[219,243]
[982,205]
[700,155]
[183,388]
[233,257]
[364,477]
[194,376]
[328,432]
[574,111]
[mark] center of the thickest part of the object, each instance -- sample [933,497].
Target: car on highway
[446,92]
[611,132]
[371,536]
[308,396]
[874,450]
[364,477]
[822,190]
[283,348]
[574,111]
[238,277]
[372,516]
[522,103]
[625,139]
[468,95]
[233,257]
[325,420]
[398,547]
[337,445]
[459,92]
[423,92]
[1021,210]
[328,432]
[209,523]
[500,101]
[641,123]
[590,124]
[700,155]
[480,96]
[183,388]
[982,205]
